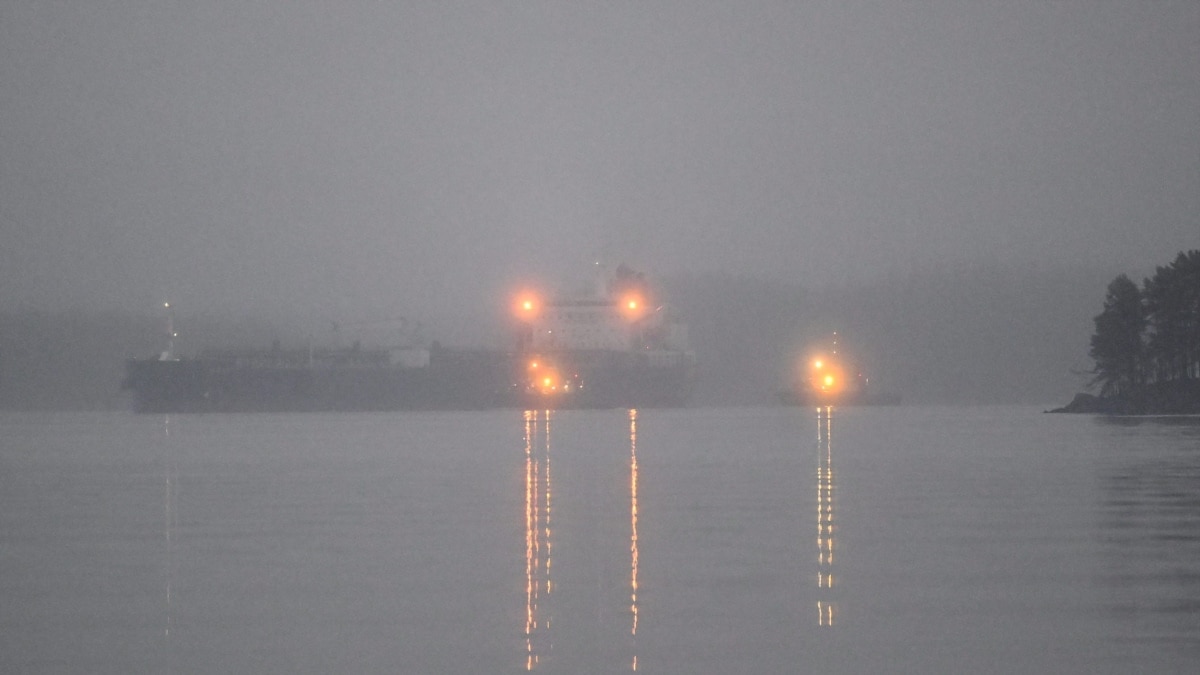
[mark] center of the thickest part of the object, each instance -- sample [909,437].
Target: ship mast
[169,354]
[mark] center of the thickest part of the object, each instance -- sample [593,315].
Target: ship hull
[460,381]
[615,380]
[201,385]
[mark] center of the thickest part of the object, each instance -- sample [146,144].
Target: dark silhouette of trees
[1146,347]
[1117,344]
[1172,299]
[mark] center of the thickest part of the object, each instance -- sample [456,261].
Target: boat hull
[460,381]
[620,382]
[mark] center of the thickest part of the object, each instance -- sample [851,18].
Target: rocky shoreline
[1176,397]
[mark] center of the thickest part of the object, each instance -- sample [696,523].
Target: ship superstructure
[616,346]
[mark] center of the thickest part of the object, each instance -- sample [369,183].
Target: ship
[616,345]
[826,377]
[606,349]
[325,380]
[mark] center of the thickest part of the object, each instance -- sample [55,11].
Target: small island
[1146,347]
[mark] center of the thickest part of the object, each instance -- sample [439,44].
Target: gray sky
[358,158]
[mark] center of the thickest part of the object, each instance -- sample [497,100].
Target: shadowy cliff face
[742,330]
[1174,397]
[971,336]
[67,360]
[76,360]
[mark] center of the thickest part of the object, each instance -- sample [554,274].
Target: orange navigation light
[548,384]
[632,306]
[527,306]
[543,378]
[825,377]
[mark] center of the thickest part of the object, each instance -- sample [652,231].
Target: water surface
[764,540]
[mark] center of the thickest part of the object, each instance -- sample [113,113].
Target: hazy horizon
[965,337]
[355,159]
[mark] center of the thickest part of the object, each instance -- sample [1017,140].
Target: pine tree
[1172,298]
[1117,346]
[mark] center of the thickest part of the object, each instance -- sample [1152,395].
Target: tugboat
[828,378]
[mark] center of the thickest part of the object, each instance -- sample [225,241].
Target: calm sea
[756,540]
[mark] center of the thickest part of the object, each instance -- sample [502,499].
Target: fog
[319,162]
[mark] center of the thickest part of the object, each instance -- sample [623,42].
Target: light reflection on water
[633,532]
[947,540]
[170,526]
[826,607]
[537,534]
[539,541]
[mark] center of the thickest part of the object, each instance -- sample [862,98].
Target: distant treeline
[1146,344]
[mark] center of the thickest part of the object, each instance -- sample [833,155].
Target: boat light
[632,306]
[527,306]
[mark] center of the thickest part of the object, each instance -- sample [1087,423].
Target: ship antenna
[169,354]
